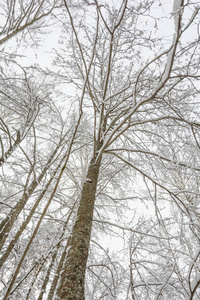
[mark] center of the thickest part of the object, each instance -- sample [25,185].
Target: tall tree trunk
[73,274]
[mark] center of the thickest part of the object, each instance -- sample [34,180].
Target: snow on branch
[195,282]
[177,7]
[176,11]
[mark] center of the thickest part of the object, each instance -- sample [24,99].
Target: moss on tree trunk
[73,275]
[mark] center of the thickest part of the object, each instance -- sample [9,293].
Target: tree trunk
[57,274]
[72,280]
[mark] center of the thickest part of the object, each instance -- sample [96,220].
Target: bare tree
[124,104]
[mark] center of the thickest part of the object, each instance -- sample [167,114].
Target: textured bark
[73,274]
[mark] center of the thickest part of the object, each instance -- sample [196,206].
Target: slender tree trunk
[26,222]
[73,274]
[53,259]
[58,271]
[7,223]
[12,148]
[36,273]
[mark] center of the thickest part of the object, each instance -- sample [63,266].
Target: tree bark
[72,280]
